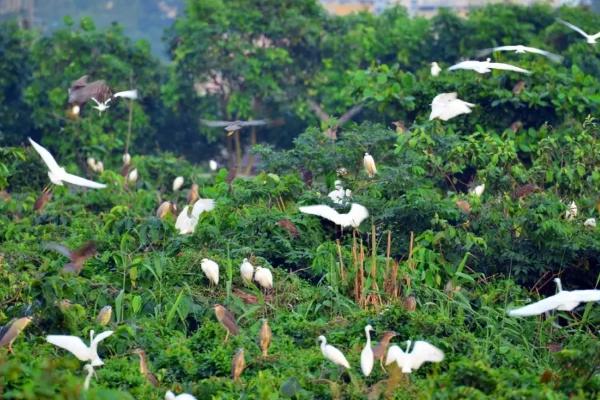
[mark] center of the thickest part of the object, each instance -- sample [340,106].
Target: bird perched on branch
[78,256]
[233,126]
[369,164]
[10,331]
[226,318]
[76,346]
[435,69]
[325,118]
[264,337]
[289,227]
[165,208]
[238,364]
[178,183]
[104,316]
[144,370]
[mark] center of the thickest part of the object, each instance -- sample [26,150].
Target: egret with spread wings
[520,49]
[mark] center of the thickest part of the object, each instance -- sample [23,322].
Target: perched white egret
[590,223]
[88,378]
[478,190]
[178,183]
[212,164]
[332,354]
[247,270]
[132,176]
[184,396]
[126,158]
[435,69]
[99,167]
[354,217]
[264,277]
[76,346]
[369,164]
[91,163]
[127,94]
[571,212]
[211,270]
[408,361]
[366,355]
[591,39]
[483,67]
[340,195]
[446,106]
[58,175]
[520,49]
[564,300]
[186,221]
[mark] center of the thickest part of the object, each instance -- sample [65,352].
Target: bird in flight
[331,132]
[354,217]
[58,175]
[446,106]
[591,39]
[99,92]
[408,361]
[233,126]
[76,346]
[77,257]
[520,49]
[486,66]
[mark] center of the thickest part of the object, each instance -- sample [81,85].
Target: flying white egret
[76,346]
[247,270]
[58,175]
[435,69]
[483,67]
[211,270]
[264,277]
[520,49]
[183,396]
[478,190]
[186,221]
[590,223]
[591,39]
[88,378]
[408,361]
[354,217]
[369,164]
[571,212]
[564,300]
[366,355]
[340,195]
[178,183]
[332,354]
[446,106]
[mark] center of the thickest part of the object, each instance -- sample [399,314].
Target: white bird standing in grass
[184,396]
[408,361]
[591,39]
[88,378]
[435,69]
[211,270]
[520,49]
[76,346]
[264,277]
[446,106]
[369,164]
[564,300]
[58,175]
[354,217]
[178,183]
[486,66]
[333,354]
[366,355]
[247,270]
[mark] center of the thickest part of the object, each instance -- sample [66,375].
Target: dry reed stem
[342,271]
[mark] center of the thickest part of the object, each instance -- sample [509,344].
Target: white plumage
[366,355]
[132,177]
[333,354]
[369,164]
[211,270]
[101,107]
[565,300]
[88,378]
[264,277]
[178,183]
[247,270]
[127,94]
[486,66]
[435,69]
[340,195]
[520,49]
[591,39]
[354,217]
[58,175]
[126,158]
[446,106]
[590,223]
[76,346]
[478,190]
[184,396]
[571,212]
[212,164]
[186,221]
[408,361]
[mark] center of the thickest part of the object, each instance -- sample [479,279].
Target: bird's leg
[381,364]
[226,337]
[10,349]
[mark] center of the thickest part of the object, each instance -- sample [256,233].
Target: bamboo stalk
[339,249]
[411,263]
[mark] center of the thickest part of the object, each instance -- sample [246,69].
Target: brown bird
[518,88]
[165,209]
[325,118]
[380,350]
[226,318]
[410,303]
[516,126]
[77,257]
[237,365]
[463,206]
[233,126]
[307,176]
[525,190]
[265,337]
[144,370]
[43,199]
[193,195]
[400,126]
[10,331]
[104,315]
[289,226]
[81,91]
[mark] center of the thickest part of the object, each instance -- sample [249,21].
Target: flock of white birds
[444,107]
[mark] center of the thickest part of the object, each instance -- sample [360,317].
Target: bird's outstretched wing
[551,56]
[444,98]
[101,337]
[202,205]
[586,295]
[253,122]
[348,115]
[394,353]
[321,114]
[46,156]
[424,352]
[463,65]
[358,213]
[575,28]
[79,181]
[216,124]
[95,101]
[71,343]
[322,211]
[547,304]
[508,67]
[84,252]
[59,248]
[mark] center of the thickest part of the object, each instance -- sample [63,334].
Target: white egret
[58,175]
[340,195]
[571,212]
[590,223]
[408,361]
[369,164]
[132,176]
[483,67]
[332,354]
[88,378]
[91,162]
[211,270]
[183,396]
[354,217]
[520,49]
[247,270]
[478,190]
[99,167]
[76,346]
[435,69]
[564,300]
[212,164]
[126,159]
[591,39]
[446,106]
[264,277]
[186,221]
[366,355]
[178,183]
